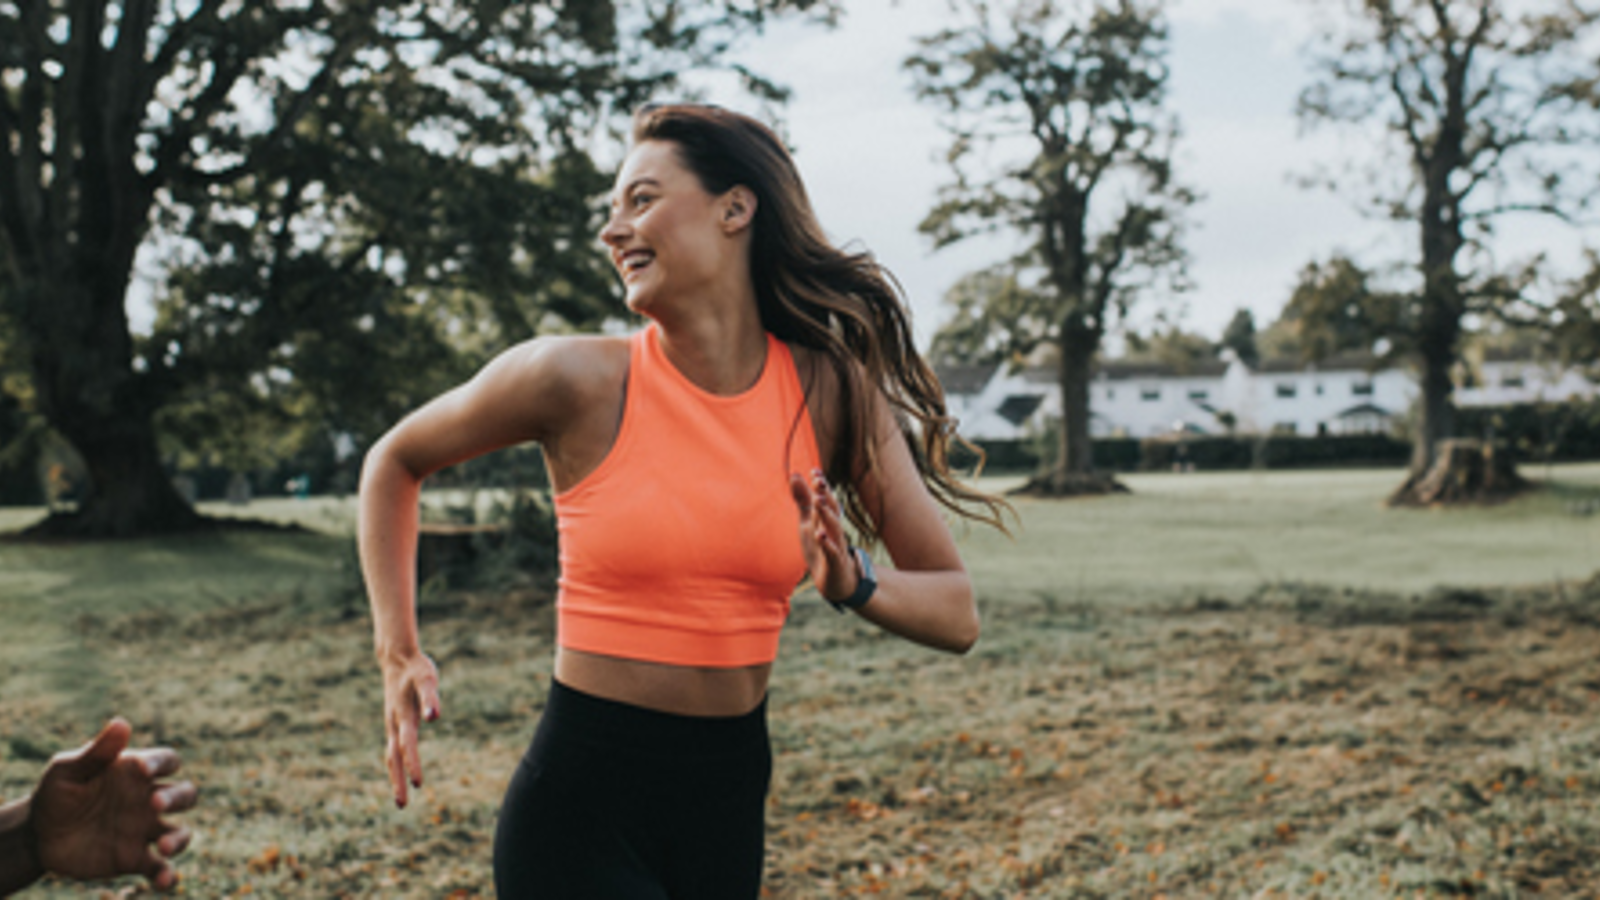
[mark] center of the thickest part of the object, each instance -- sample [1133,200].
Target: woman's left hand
[822,538]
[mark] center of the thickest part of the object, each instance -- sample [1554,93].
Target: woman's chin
[638,302]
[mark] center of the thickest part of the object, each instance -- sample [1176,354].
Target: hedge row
[1205,453]
[1538,432]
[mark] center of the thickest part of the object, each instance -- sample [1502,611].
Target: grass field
[1242,685]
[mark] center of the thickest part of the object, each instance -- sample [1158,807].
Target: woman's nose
[614,231]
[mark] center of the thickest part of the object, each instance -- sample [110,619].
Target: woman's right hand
[410,697]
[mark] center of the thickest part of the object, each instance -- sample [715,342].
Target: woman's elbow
[968,636]
[964,630]
[383,467]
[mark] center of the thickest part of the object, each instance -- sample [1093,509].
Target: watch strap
[866,583]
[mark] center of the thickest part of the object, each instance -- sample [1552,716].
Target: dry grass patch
[1299,742]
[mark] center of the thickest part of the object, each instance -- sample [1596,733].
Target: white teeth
[634,261]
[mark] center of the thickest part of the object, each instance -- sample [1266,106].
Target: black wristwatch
[866,583]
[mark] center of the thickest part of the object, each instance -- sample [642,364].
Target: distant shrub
[512,544]
[1537,432]
[1272,452]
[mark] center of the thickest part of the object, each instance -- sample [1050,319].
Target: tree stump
[1463,472]
[1060,484]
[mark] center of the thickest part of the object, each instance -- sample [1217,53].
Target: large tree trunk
[1463,471]
[1436,411]
[1072,473]
[1443,303]
[129,493]
[82,363]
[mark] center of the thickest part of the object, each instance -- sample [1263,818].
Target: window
[1512,380]
[1286,389]
[1361,388]
[1285,428]
[1319,389]
[1150,393]
[1198,394]
[1111,393]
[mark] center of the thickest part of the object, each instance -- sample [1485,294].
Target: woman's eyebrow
[642,180]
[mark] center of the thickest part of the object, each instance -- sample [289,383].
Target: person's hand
[410,696]
[822,537]
[97,812]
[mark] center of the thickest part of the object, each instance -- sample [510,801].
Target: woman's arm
[536,391]
[927,596]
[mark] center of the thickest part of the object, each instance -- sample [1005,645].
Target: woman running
[702,468]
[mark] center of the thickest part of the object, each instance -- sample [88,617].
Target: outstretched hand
[822,537]
[97,812]
[410,697]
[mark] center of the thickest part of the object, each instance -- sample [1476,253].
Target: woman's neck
[721,354]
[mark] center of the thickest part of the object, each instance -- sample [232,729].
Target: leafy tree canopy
[335,197]
[1058,134]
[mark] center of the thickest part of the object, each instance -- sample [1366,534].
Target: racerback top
[683,546]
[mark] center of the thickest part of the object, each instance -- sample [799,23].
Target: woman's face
[668,236]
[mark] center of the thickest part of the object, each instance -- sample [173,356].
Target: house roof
[1126,370]
[1018,407]
[1122,369]
[1339,362]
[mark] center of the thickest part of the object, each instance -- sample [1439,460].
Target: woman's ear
[738,209]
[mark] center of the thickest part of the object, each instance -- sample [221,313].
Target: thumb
[95,757]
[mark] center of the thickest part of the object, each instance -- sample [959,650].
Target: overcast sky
[869,152]
[867,149]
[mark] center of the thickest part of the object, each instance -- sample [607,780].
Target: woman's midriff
[683,690]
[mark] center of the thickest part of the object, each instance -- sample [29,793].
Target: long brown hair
[815,295]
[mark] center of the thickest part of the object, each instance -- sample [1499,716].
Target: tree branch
[1548,209]
[290,113]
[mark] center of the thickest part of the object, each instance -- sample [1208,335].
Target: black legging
[616,802]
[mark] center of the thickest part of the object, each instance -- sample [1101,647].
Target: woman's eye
[640,200]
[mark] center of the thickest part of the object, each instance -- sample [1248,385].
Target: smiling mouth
[633,261]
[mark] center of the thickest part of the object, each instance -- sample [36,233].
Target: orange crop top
[683,546]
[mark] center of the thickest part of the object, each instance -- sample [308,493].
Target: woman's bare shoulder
[547,385]
[579,363]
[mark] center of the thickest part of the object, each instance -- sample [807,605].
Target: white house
[1340,395]
[1502,379]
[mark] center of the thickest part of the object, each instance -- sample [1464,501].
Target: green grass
[1220,685]
[1230,532]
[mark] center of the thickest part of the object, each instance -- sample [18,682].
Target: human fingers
[428,694]
[409,754]
[397,775]
[175,798]
[157,871]
[829,515]
[165,878]
[825,499]
[173,842]
[95,757]
[157,762]
[801,493]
